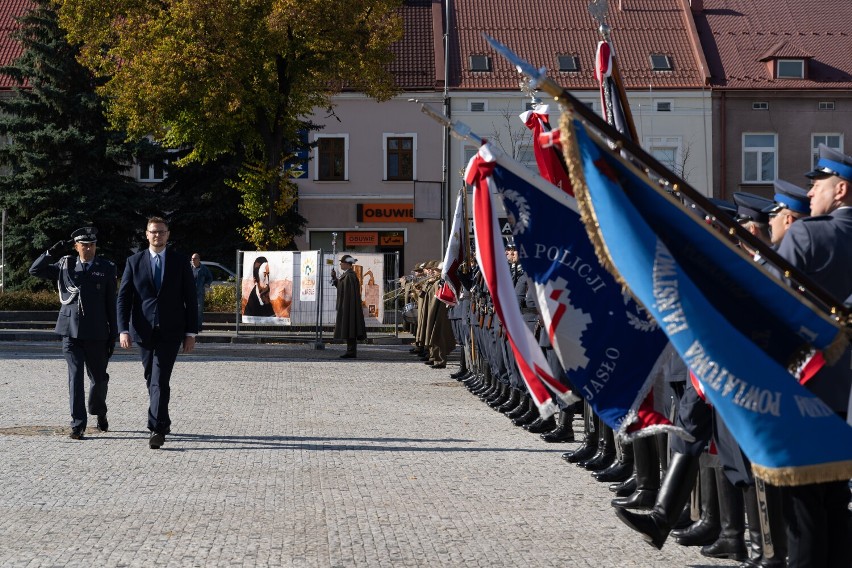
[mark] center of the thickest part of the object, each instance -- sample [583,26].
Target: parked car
[222,275]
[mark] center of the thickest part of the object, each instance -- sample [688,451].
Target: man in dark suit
[86,321]
[157,309]
[818,522]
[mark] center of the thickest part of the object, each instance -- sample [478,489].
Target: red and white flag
[454,256]
[545,148]
[491,254]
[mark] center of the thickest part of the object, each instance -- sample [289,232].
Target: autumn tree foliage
[235,76]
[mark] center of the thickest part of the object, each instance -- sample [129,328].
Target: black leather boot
[528,417]
[775,543]
[541,425]
[730,544]
[625,488]
[606,450]
[621,469]
[520,408]
[502,395]
[511,402]
[564,431]
[705,530]
[672,497]
[589,447]
[647,476]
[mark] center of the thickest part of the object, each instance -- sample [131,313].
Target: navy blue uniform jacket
[96,320]
[140,306]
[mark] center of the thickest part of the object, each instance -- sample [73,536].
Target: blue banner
[735,326]
[605,341]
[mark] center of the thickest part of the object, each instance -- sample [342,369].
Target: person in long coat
[349,324]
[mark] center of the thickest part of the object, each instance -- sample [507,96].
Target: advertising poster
[370,270]
[308,276]
[267,287]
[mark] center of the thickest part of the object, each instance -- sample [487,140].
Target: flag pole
[677,185]
[598,9]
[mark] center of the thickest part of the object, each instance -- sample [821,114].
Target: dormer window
[790,69]
[480,63]
[660,62]
[568,63]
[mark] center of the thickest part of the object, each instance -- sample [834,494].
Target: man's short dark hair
[157,221]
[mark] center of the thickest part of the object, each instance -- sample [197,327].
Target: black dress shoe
[429,363]
[424,357]
[601,461]
[76,433]
[439,366]
[580,454]
[458,374]
[414,351]
[103,425]
[528,417]
[157,439]
[348,355]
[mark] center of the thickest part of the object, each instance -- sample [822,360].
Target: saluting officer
[87,321]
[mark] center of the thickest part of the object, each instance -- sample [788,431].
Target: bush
[221,299]
[29,301]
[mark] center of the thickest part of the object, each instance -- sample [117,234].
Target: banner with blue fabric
[736,327]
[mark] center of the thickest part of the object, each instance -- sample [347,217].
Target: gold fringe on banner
[804,475]
[571,153]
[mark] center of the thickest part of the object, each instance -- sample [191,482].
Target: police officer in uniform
[87,321]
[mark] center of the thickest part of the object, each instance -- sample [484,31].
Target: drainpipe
[445,178]
[723,150]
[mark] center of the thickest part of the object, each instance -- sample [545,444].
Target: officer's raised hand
[56,247]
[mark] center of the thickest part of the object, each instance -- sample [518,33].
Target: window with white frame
[760,151]
[833,141]
[152,171]
[400,156]
[666,149]
[330,157]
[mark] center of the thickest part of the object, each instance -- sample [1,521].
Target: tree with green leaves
[64,167]
[235,76]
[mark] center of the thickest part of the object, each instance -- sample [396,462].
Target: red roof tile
[414,67]
[9,48]
[540,31]
[738,34]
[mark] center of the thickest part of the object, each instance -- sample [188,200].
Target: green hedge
[219,299]
[29,301]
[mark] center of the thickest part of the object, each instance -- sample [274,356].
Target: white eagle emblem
[520,221]
[563,323]
[637,316]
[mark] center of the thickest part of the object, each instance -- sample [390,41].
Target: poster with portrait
[370,271]
[308,276]
[267,287]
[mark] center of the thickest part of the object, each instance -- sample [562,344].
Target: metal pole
[318,344]
[238,287]
[396,297]
[3,253]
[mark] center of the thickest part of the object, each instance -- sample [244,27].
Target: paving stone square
[283,455]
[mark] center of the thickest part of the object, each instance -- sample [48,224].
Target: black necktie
[85,267]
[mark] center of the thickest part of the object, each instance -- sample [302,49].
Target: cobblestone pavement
[288,456]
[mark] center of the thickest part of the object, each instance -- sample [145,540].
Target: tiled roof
[9,48]
[738,34]
[414,67]
[539,31]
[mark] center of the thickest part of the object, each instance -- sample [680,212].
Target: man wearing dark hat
[86,322]
[791,204]
[753,216]
[818,524]
[349,324]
